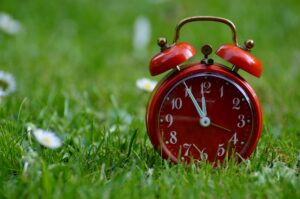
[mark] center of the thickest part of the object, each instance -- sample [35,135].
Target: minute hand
[200,112]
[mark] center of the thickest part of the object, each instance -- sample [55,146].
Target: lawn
[76,69]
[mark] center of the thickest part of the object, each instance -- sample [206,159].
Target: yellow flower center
[148,86]
[47,140]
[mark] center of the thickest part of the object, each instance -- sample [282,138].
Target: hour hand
[203,105]
[203,101]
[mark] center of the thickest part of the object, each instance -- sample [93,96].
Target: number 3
[242,122]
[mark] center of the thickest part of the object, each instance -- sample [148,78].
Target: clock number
[205,87]
[176,103]
[173,138]
[221,91]
[234,139]
[187,147]
[203,155]
[241,122]
[221,150]
[236,103]
[169,119]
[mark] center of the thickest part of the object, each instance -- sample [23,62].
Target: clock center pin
[205,121]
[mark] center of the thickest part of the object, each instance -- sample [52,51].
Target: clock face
[204,117]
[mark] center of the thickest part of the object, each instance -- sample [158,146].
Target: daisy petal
[47,138]
[8,24]
[7,84]
[146,84]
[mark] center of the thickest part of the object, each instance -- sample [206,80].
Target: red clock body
[203,112]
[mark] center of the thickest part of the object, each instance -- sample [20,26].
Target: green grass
[76,69]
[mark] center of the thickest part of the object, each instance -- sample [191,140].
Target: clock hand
[203,101]
[204,121]
[203,105]
[200,112]
[220,127]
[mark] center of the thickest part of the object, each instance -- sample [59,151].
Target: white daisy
[7,84]
[8,24]
[47,138]
[142,33]
[30,127]
[113,128]
[146,84]
[150,172]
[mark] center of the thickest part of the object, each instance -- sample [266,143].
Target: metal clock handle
[206,18]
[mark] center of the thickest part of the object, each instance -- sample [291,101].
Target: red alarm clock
[204,110]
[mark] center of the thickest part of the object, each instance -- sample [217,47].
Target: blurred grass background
[76,68]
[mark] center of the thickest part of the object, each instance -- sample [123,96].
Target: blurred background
[76,63]
[86,51]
